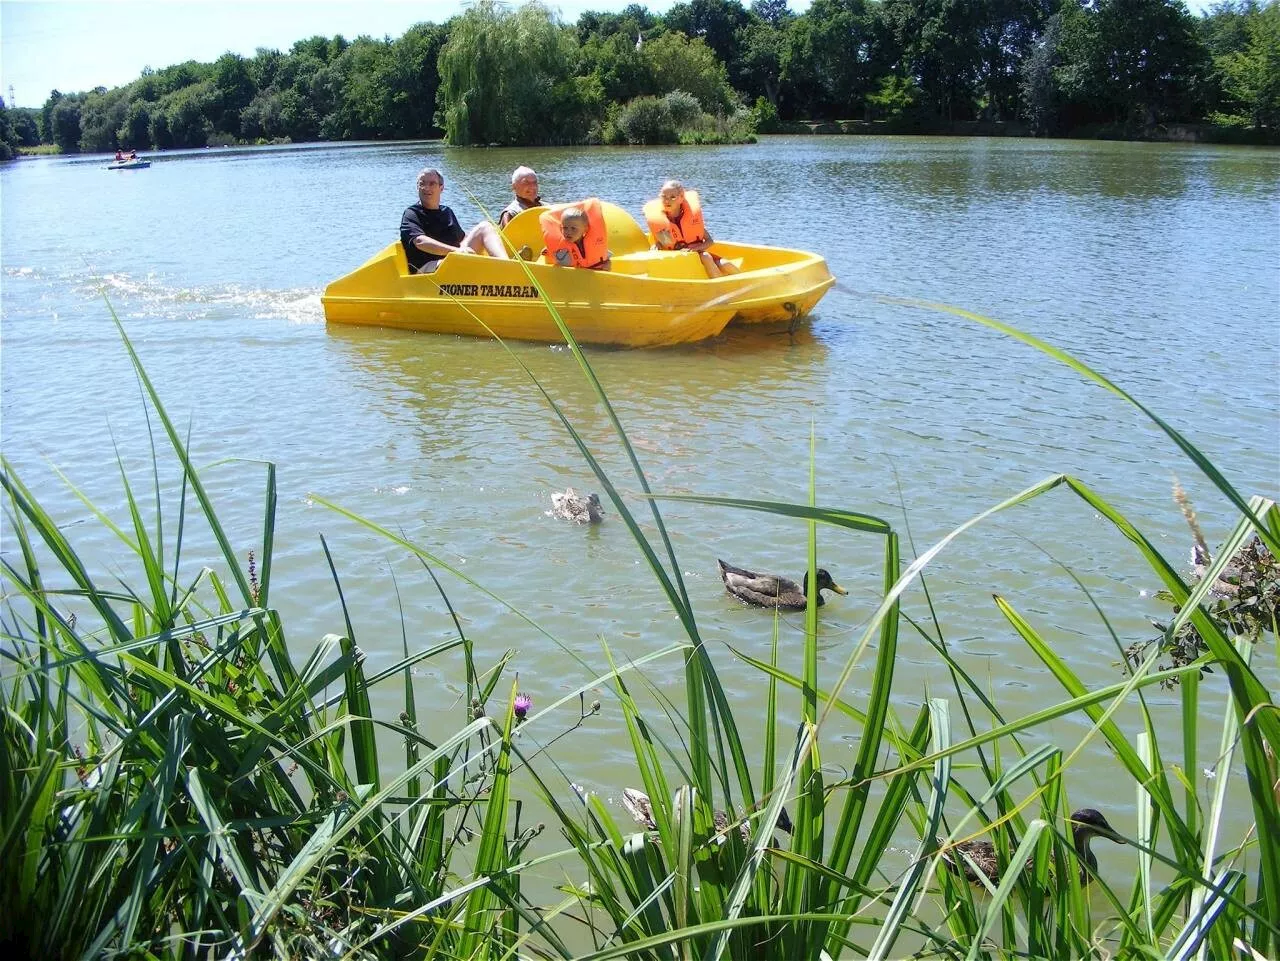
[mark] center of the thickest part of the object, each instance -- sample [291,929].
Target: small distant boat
[135,164]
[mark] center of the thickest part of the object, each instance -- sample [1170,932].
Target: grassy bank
[40,150]
[177,781]
[931,127]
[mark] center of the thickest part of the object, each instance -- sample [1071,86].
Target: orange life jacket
[595,243]
[690,230]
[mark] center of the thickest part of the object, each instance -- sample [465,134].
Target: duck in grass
[569,505]
[1086,824]
[773,590]
[639,806]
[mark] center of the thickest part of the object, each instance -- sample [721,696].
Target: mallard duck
[772,590]
[569,505]
[640,808]
[1086,824]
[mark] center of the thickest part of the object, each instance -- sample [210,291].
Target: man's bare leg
[484,238]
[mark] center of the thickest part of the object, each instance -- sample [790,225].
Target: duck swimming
[773,590]
[1086,824]
[569,505]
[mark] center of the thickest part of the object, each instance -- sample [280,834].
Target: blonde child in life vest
[675,220]
[576,236]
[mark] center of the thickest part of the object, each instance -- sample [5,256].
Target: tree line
[707,69]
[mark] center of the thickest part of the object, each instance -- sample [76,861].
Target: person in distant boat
[119,155]
[429,231]
[576,236]
[133,155]
[524,184]
[675,220]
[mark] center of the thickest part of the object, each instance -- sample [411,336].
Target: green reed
[174,784]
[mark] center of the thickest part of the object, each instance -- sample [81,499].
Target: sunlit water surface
[1156,264]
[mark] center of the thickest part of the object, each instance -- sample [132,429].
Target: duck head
[1088,823]
[824,582]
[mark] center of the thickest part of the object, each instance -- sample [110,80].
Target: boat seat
[625,235]
[664,264]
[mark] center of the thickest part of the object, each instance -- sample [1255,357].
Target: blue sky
[74,45]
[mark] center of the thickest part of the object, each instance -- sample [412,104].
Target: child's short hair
[574,213]
[672,185]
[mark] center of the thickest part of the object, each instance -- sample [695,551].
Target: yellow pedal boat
[650,298]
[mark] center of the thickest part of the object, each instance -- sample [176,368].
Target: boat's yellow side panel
[790,282]
[468,293]
[649,298]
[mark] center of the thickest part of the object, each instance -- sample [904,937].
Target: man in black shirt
[429,231]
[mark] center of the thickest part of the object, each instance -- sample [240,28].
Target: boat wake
[148,296]
[198,303]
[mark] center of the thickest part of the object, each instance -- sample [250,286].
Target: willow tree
[507,77]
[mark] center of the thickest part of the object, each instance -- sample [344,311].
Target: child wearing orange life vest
[675,220]
[576,236]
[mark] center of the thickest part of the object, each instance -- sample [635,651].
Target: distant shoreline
[1207,134]
[1203,133]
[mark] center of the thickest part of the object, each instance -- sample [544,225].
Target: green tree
[46,117]
[758,69]
[188,112]
[1007,33]
[172,79]
[261,119]
[135,130]
[1038,87]
[102,112]
[1132,61]
[616,64]
[9,138]
[776,13]
[507,76]
[715,22]
[26,125]
[234,87]
[1250,75]
[833,59]
[413,69]
[634,22]
[64,123]
[678,63]
[646,120]
[158,129]
[264,66]
[941,50]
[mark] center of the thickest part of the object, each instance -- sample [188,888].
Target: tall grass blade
[480,916]
[197,486]
[1221,771]
[1146,834]
[1007,883]
[1191,938]
[901,908]
[760,841]
[360,716]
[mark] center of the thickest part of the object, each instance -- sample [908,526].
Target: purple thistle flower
[523,703]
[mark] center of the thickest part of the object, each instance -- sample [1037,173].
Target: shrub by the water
[676,117]
[645,120]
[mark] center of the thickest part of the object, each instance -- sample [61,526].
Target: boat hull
[130,165]
[650,298]
[774,283]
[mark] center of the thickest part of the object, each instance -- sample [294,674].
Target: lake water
[1156,264]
